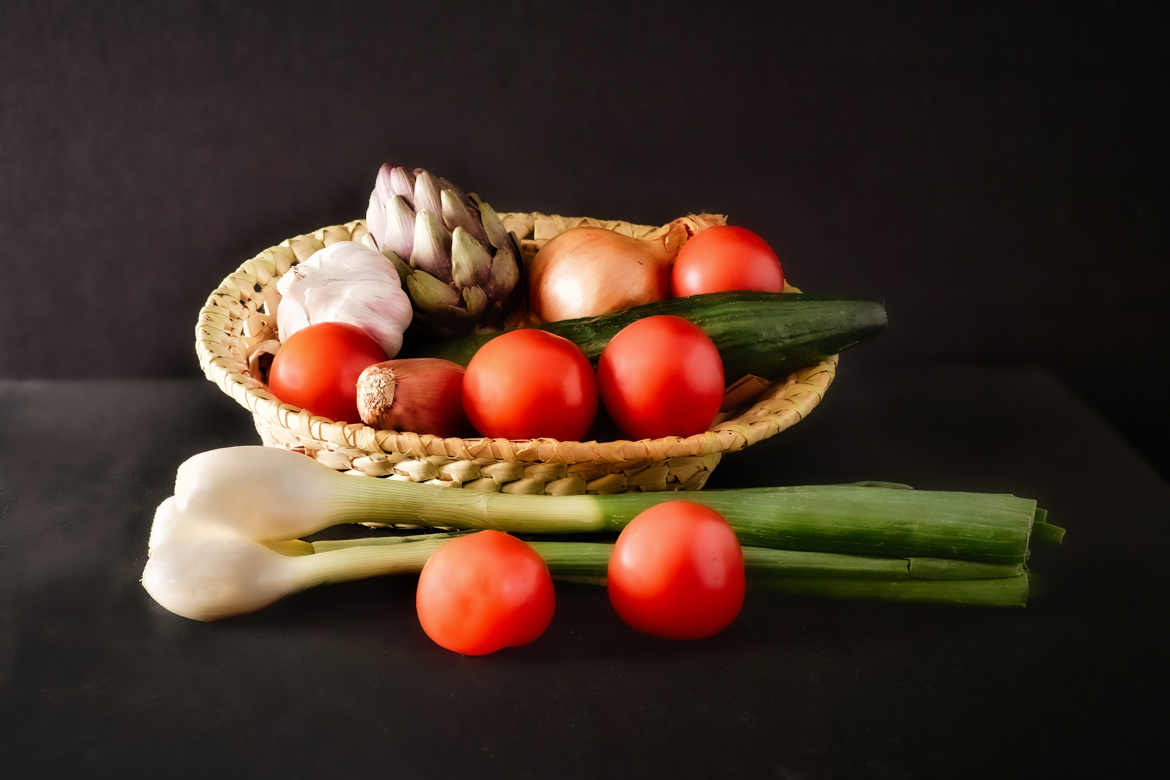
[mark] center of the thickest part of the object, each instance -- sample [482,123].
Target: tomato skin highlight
[677,572]
[317,369]
[526,384]
[726,258]
[484,592]
[661,376]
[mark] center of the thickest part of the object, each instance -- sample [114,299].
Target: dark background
[994,174]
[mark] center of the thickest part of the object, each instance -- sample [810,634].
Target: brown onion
[423,395]
[586,271]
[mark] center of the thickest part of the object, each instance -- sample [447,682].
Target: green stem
[1001,592]
[357,562]
[329,545]
[945,569]
[892,522]
[850,519]
[791,572]
[1044,531]
[590,559]
[385,500]
[832,576]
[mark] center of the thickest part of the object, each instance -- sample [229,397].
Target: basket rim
[784,404]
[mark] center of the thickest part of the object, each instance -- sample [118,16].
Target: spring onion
[203,568]
[274,494]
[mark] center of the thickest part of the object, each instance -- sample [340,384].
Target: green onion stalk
[247,508]
[896,522]
[277,494]
[788,572]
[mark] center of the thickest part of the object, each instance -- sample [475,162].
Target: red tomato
[726,258]
[317,368]
[525,384]
[676,571]
[483,592]
[661,376]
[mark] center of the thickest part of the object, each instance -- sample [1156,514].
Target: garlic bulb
[345,282]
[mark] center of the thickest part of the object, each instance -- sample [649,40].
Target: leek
[276,494]
[228,540]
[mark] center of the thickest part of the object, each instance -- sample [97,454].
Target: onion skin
[421,395]
[586,271]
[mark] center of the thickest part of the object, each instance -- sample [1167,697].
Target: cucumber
[766,334]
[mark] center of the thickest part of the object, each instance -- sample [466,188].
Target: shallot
[422,395]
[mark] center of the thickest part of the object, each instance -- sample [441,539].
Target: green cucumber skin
[766,334]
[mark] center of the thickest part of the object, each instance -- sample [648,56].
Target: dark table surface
[341,681]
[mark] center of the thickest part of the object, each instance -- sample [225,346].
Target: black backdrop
[996,176]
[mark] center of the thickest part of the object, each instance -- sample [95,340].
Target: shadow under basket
[236,334]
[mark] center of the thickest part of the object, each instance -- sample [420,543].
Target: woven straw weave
[236,329]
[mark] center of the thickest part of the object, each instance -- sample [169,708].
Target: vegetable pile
[644,334]
[435,324]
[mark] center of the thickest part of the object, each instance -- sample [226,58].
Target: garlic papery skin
[346,282]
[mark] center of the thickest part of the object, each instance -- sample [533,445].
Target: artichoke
[457,262]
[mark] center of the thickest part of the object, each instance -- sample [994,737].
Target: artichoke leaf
[470,261]
[431,246]
[430,293]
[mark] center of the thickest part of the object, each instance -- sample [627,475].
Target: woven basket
[237,329]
